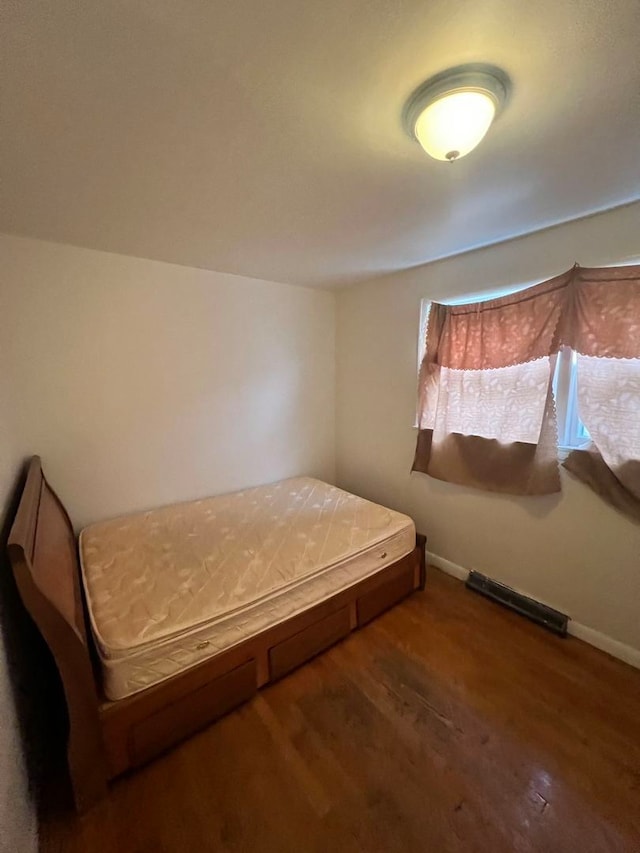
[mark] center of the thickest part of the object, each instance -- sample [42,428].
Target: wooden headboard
[44,557]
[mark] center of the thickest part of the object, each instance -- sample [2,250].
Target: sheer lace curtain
[606,336]
[486,410]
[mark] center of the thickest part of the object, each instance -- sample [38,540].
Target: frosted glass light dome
[454,125]
[450,114]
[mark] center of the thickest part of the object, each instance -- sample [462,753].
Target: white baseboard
[589,635]
[605,643]
[447,566]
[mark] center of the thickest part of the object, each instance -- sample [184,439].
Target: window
[500,400]
[572,433]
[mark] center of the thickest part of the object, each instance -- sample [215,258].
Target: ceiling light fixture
[450,113]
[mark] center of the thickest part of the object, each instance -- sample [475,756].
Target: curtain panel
[486,409]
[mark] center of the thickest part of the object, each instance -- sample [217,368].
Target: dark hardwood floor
[449,724]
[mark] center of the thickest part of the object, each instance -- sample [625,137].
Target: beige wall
[141,383]
[573,551]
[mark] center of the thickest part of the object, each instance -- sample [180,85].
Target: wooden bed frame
[107,738]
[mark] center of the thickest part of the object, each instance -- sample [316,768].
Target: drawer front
[194,711]
[386,595]
[294,651]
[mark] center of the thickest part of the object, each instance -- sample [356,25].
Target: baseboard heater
[549,618]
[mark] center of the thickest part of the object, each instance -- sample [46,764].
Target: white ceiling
[264,138]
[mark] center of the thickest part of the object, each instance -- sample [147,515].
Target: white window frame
[572,433]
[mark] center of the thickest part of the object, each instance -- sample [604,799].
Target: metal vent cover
[543,615]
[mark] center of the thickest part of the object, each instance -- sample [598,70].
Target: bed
[160,622]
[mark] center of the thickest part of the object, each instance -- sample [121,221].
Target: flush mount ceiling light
[450,114]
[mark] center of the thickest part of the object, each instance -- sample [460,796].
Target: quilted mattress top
[153,575]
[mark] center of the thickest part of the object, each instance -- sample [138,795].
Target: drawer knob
[383,555]
[203,645]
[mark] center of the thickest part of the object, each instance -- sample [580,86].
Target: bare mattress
[169,588]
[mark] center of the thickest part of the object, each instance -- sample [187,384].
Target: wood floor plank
[448,724]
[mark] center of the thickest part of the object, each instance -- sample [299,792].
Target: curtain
[606,336]
[486,410]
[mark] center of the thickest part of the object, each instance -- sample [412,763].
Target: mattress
[169,588]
